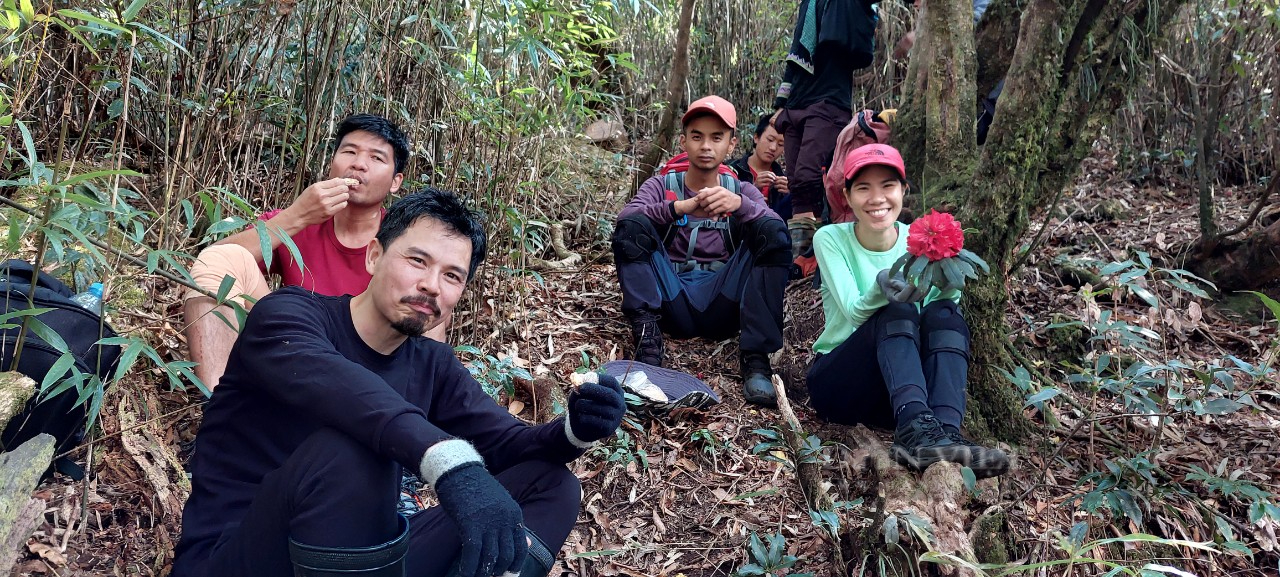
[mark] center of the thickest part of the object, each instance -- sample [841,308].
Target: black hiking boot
[648,339]
[757,380]
[984,461]
[921,442]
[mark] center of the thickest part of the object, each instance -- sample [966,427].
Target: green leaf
[972,258]
[890,530]
[970,479]
[78,15]
[28,11]
[1271,304]
[1220,406]
[1078,533]
[264,241]
[224,287]
[899,264]
[917,267]
[128,358]
[955,278]
[79,178]
[1041,397]
[46,334]
[133,10]
[60,367]
[757,549]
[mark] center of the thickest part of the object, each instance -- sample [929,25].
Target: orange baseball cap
[714,105]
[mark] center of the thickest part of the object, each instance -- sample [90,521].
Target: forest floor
[682,494]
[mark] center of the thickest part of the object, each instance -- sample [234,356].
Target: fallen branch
[808,472]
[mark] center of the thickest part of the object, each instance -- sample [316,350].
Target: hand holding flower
[936,255]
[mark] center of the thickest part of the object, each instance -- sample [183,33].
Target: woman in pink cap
[891,355]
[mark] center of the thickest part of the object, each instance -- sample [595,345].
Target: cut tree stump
[20,472]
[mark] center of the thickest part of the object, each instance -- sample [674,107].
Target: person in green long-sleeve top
[891,355]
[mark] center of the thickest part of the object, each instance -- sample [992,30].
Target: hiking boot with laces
[984,461]
[921,442]
[648,339]
[757,380]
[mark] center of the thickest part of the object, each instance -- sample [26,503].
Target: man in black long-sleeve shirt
[297,463]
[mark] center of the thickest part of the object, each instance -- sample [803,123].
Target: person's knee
[634,239]
[944,314]
[899,320]
[770,242]
[216,263]
[337,464]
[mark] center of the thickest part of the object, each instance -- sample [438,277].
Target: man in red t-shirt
[331,224]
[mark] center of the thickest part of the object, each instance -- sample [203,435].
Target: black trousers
[898,356]
[744,297]
[333,492]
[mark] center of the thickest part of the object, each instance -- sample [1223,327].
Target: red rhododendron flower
[936,235]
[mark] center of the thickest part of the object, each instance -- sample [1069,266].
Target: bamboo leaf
[133,10]
[79,178]
[28,11]
[78,15]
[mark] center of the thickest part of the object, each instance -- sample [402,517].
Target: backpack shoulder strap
[674,182]
[731,182]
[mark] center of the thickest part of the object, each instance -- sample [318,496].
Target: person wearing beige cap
[329,225]
[699,253]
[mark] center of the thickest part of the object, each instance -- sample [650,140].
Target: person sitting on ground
[883,360]
[330,223]
[760,167]
[699,253]
[298,460]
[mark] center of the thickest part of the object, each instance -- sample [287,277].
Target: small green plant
[623,448]
[768,558]
[495,375]
[774,447]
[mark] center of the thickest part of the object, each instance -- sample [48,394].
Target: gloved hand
[490,523]
[898,290]
[595,409]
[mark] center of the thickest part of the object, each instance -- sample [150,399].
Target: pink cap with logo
[872,154]
[714,105]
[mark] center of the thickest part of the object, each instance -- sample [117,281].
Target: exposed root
[565,258]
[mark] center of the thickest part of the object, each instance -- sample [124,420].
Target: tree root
[936,499]
[565,258]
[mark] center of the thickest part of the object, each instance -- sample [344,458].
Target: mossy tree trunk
[1073,62]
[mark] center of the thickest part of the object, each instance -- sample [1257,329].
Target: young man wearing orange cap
[699,253]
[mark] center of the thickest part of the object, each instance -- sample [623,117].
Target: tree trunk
[679,72]
[1074,61]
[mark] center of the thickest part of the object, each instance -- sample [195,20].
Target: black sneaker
[984,461]
[648,339]
[921,442]
[757,380]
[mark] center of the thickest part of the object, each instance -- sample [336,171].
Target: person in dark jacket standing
[813,102]
[297,463]
[696,258]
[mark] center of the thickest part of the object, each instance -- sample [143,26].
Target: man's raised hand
[320,201]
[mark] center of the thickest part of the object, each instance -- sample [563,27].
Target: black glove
[595,410]
[898,290]
[490,523]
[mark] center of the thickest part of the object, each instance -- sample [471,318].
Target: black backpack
[64,414]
